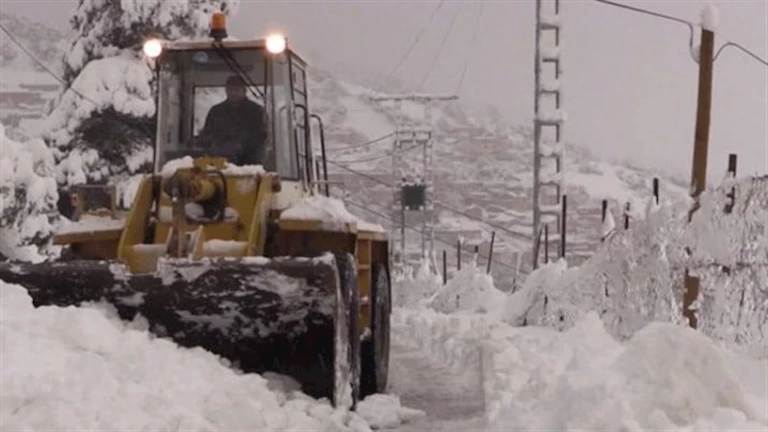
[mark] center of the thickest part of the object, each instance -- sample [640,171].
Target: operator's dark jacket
[236,131]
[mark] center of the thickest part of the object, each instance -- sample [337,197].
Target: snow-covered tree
[28,198]
[101,124]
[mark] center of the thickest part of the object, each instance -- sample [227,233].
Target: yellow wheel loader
[222,255]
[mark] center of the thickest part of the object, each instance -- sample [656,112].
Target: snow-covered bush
[729,254]
[412,287]
[632,279]
[469,290]
[101,124]
[637,276]
[28,197]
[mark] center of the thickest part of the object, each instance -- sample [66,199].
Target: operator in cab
[235,128]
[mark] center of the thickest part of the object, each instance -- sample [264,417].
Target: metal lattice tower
[548,123]
[413,189]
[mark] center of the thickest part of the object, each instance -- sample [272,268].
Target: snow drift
[666,377]
[82,369]
[28,197]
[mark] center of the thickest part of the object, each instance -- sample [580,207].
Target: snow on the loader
[84,369]
[331,211]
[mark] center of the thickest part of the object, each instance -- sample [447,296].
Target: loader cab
[192,80]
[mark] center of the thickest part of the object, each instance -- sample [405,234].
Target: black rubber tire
[347,272]
[375,350]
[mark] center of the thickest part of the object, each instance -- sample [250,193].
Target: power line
[374,158]
[441,240]
[648,12]
[365,144]
[446,36]
[655,14]
[439,204]
[748,52]
[32,56]
[471,47]
[690,26]
[415,41]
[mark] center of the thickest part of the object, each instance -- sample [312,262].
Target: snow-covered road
[451,400]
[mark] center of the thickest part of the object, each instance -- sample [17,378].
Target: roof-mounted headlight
[153,48]
[276,43]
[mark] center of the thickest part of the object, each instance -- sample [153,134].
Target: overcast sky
[629,80]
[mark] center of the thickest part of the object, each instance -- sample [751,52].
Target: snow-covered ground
[465,356]
[464,369]
[83,369]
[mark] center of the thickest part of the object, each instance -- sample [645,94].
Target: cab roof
[206,44]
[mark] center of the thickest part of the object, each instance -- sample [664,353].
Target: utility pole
[700,149]
[413,188]
[548,123]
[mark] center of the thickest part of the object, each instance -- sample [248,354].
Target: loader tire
[348,273]
[375,350]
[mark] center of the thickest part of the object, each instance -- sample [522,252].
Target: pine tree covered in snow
[101,124]
[27,197]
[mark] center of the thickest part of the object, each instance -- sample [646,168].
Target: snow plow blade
[286,315]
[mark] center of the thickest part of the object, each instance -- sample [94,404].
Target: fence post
[732,194]
[656,190]
[604,212]
[537,248]
[490,252]
[627,208]
[458,255]
[603,216]
[564,226]
[445,267]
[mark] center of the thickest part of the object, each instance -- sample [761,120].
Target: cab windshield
[232,104]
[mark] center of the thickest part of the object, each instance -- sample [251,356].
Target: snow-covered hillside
[482,166]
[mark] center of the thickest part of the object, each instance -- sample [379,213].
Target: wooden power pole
[700,149]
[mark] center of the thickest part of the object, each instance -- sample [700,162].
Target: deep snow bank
[661,375]
[28,197]
[665,377]
[536,378]
[79,369]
